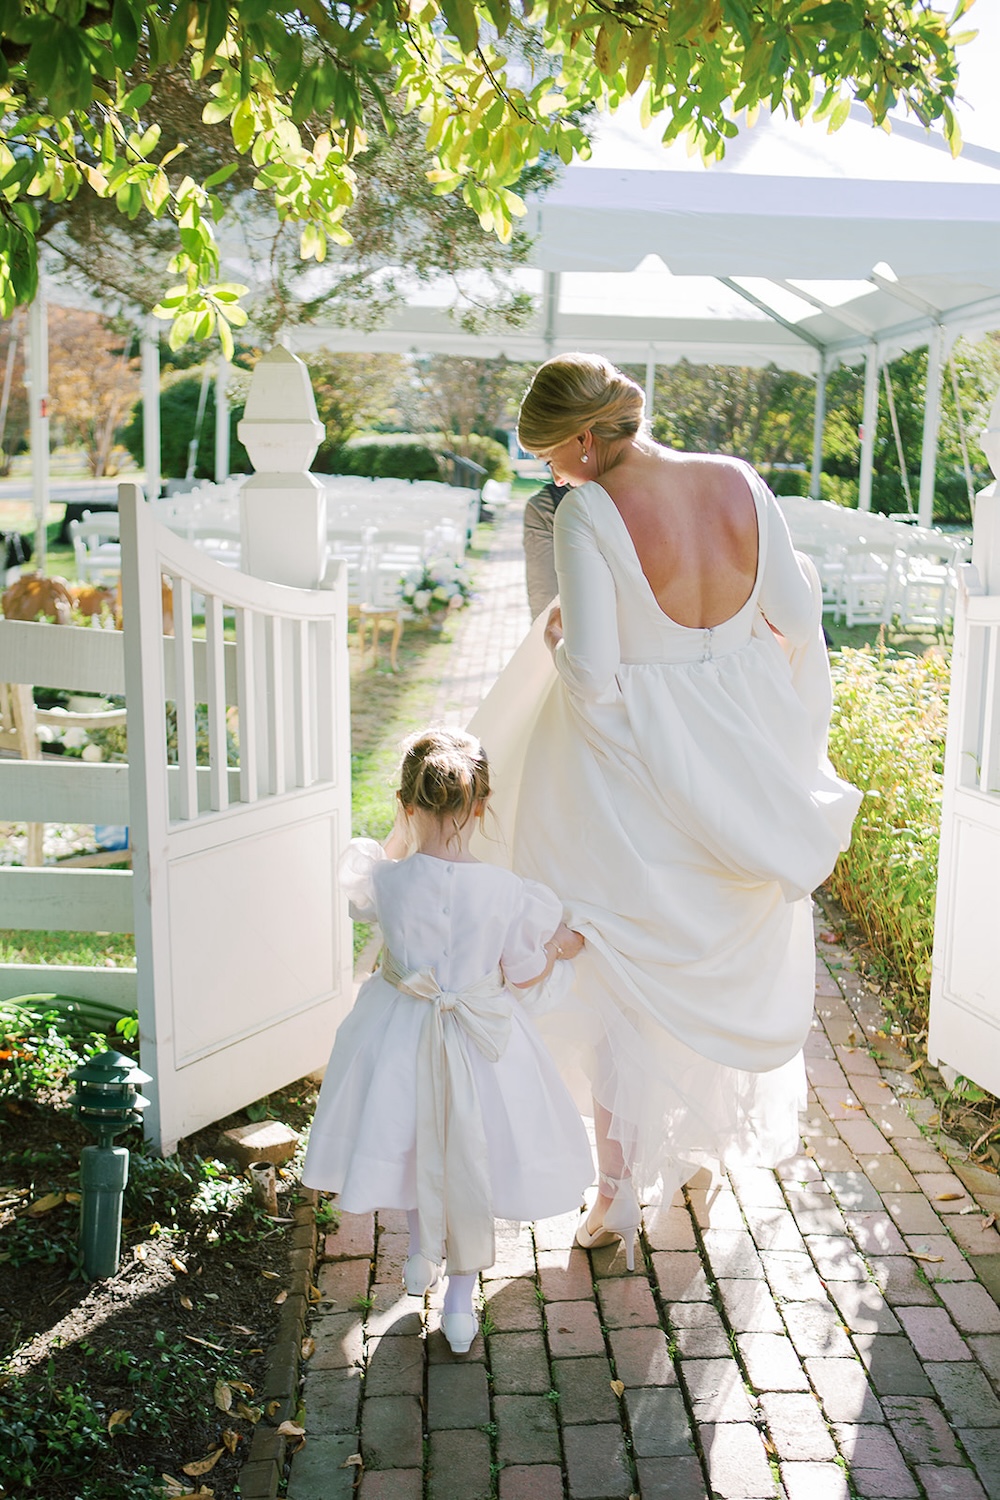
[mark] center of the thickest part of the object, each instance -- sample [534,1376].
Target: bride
[666,773]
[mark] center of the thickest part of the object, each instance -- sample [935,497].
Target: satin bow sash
[454,1199]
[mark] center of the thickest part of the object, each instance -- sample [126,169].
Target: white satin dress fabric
[460,920]
[672,786]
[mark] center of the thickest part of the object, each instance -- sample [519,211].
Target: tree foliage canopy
[497,85]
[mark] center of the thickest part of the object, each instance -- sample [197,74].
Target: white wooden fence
[242,943]
[964,1028]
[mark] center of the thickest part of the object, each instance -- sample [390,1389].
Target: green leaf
[243,126]
[124,34]
[216,25]
[222,175]
[462,22]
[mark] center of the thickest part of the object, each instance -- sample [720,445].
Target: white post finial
[283,506]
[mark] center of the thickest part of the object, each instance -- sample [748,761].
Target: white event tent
[801,248]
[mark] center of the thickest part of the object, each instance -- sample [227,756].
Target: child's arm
[564,943]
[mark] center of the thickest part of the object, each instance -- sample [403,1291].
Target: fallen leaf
[273,1406]
[315,1295]
[139,1252]
[231,1439]
[973,1208]
[618,1386]
[242,1386]
[308,1348]
[883,1083]
[74,1197]
[119,1418]
[205,1344]
[203,1465]
[178,1265]
[917,1255]
[270,1275]
[949,1197]
[248,1413]
[848,1105]
[989,1221]
[291,1429]
[187,1304]
[852,1039]
[223,1395]
[353,1461]
[920,1063]
[46,1204]
[279,1299]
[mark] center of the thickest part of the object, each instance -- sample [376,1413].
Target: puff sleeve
[537,913]
[355,873]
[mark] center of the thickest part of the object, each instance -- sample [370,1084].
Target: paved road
[823,1331]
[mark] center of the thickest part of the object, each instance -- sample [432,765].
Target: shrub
[394,455]
[406,455]
[887,737]
[178,416]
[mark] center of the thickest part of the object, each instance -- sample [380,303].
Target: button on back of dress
[706,644]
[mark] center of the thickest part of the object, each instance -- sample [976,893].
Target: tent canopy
[799,246]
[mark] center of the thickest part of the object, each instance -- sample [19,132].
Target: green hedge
[405,455]
[951,497]
[887,737]
[178,415]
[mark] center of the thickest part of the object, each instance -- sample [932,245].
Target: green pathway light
[107,1101]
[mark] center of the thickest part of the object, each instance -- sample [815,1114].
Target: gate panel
[243,943]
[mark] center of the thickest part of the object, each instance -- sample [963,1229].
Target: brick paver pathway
[826,1330]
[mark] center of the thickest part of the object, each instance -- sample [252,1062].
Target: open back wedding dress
[672,786]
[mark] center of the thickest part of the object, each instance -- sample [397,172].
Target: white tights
[459,1291]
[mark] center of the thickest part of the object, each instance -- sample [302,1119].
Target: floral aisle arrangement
[441,585]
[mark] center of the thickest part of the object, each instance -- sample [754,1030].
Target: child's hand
[568,942]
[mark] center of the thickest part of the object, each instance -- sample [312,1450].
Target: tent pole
[932,423]
[819,419]
[151,457]
[550,308]
[222,420]
[869,423]
[38,382]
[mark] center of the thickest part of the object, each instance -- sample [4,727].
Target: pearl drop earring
[584,458]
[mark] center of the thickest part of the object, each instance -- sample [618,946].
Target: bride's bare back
[693,524]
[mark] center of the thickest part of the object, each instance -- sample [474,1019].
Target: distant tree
[465,395]
[351,390]
[14,416]
[763,415]
[93,382]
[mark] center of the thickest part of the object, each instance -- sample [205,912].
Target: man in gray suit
[539,565]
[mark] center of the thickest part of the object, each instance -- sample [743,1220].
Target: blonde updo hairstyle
[575,392]
[444,772]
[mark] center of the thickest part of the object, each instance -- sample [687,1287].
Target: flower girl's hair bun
[445,772]
[575,392]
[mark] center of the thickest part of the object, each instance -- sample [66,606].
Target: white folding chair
[96,548]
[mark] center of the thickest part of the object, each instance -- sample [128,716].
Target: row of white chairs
[875,571]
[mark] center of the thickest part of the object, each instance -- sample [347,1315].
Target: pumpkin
[35,597]
[91,600]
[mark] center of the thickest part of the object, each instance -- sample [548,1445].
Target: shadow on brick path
[825,1330]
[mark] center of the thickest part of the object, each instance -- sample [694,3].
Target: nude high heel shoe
[620,1221]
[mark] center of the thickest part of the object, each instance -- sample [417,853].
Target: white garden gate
[964,1028]
[237,795]
[243,945]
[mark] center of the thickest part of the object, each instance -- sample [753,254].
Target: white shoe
[420,1275]
[460,1329]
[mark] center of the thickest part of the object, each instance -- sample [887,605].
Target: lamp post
[107,1101]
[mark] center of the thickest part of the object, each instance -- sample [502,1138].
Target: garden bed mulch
[185,1363]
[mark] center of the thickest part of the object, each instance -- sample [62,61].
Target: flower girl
[440,1097]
